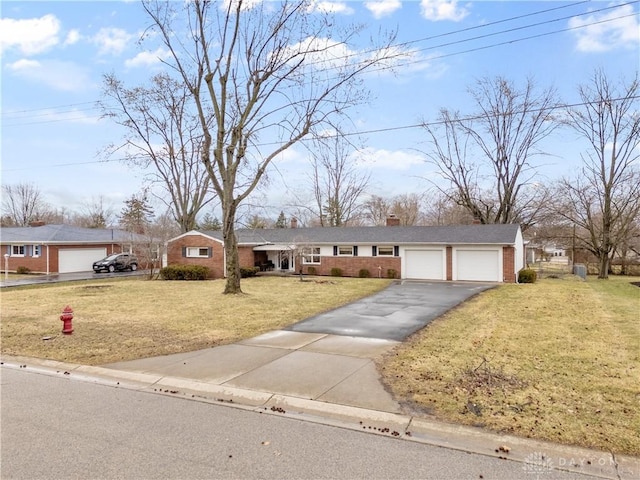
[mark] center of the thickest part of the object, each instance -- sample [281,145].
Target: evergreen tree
[137,214]
[282,221]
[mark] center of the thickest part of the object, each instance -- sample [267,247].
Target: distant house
[64,248]
[486,253]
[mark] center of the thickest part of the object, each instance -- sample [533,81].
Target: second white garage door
[79,259]
[424,264]
[478,265]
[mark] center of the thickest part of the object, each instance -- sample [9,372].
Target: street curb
[537,457]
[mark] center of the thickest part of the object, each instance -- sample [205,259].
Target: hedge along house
[485,253]
[64,249]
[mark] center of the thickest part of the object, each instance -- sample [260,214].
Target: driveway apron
[394,313]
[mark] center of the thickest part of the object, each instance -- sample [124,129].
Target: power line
[96,103]
[373,131]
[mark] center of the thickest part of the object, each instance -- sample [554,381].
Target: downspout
[48,270]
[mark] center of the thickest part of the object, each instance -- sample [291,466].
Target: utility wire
[410,42]
[378,130]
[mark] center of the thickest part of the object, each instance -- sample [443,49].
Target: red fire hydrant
[66,317]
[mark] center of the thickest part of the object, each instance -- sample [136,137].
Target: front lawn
[557,360]
[124,319]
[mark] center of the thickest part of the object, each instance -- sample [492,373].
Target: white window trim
[198,249]
[309,252]
[24,249]
[34,249]
[340,247]
[385,254]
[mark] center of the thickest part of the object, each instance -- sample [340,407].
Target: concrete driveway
[393,314]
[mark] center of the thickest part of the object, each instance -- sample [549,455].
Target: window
[198,252]
[311,255]
[385,251]
[17,250]
[345,251]
[36,251]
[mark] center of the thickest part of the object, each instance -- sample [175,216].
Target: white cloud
[30,36]
[331,7]
[382,8]
[112,41]
[64,76]
[73,37]
[145,59]
[392,160]
[437,10]
[609,35]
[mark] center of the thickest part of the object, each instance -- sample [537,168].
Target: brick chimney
[294,222]
[393,221]
[476,221]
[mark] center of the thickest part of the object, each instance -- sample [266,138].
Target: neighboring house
[488,253]
[64,249]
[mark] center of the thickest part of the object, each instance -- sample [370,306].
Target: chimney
[393,221]
[294,222]
[37,223]
[476,221]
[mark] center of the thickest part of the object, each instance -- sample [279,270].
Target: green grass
[124,319]
[557,360]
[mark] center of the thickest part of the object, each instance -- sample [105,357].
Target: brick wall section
[449,263]
[39,264]
[247,257]
[215,263]
[508,262]
[351,266]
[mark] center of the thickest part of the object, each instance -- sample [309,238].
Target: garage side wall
[215,263]
[508,264]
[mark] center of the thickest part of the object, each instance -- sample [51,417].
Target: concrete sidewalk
[312,366]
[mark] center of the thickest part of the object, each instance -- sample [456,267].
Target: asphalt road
[58,428]
[394,313]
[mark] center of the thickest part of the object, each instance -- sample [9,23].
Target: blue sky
[54,54]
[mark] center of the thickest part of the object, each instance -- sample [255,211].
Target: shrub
[391,273]
[336,272]
[184,272]
[364,273]
[311,270]
[527,275]
[248,271]
[22,270]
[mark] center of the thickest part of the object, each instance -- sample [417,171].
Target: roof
[58,234]
[500,234]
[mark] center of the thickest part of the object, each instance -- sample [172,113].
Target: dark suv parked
[117,261]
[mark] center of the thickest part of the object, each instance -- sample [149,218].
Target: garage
[424,264]
[79,259]
[477,265]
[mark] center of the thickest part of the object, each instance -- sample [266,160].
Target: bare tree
[96,214]
[22,204]
[377,210]
[163,131]
[407,207]
[270,72]
[604,200]
[338,186]
[486,159]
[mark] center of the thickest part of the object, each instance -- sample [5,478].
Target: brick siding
[508,263]
[215,263]
[351,266]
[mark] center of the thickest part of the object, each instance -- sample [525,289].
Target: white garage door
[79,259]
[424,264]
[478,265]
